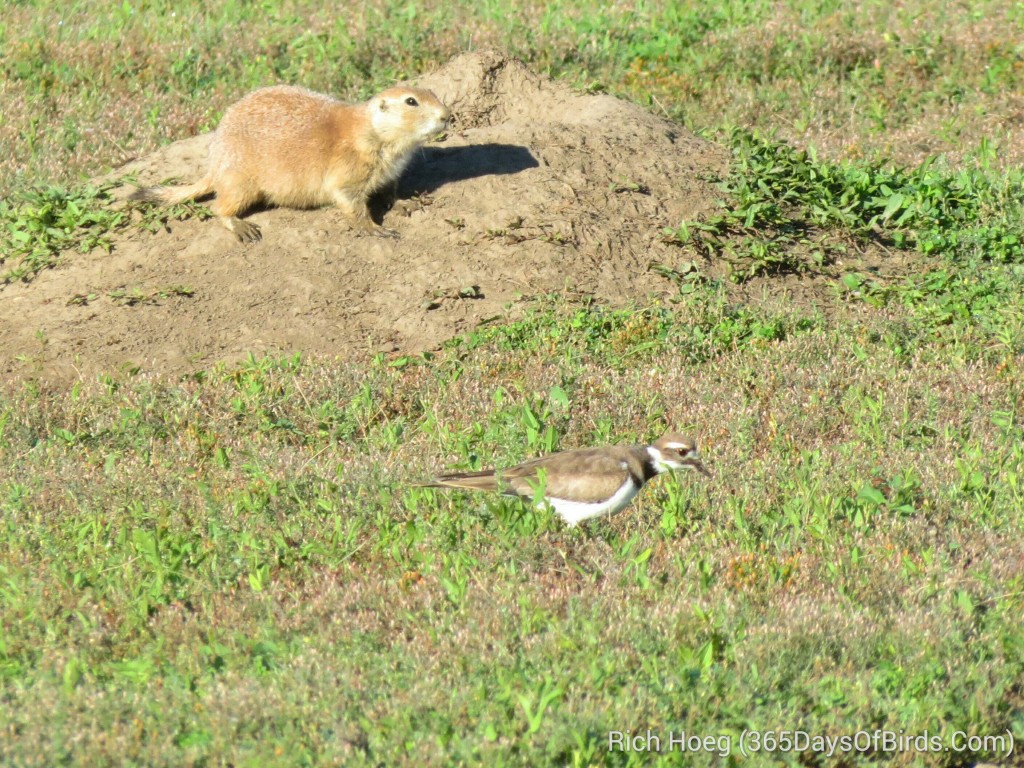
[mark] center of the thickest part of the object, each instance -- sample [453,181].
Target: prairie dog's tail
[174,195]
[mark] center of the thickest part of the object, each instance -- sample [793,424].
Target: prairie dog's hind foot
[245,231]
[379,231]
[366,226]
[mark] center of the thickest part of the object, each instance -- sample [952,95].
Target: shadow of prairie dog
[289,146]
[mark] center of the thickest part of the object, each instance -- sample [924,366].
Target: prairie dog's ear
[383,105]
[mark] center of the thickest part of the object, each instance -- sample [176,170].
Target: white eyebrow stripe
[679,446]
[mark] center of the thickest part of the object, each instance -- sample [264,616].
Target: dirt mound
[536,189]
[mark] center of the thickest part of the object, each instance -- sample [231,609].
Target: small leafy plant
[39,224]
[789,211]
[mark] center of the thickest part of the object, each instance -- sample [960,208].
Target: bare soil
[536,189]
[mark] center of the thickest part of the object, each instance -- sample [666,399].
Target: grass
[793,211]
[238,567]
[43,222]
[95,83]
[250,576]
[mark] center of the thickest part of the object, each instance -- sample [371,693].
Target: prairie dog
[289,146]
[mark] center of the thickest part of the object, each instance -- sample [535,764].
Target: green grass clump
[624,338]
[788,210]
[39,225]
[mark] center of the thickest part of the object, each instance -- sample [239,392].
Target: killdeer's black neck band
[649,471]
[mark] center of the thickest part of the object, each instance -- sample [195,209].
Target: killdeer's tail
[174,195]
[472,481]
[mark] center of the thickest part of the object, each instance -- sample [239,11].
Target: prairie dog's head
[407,115]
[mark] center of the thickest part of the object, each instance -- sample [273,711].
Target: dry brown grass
[87,91]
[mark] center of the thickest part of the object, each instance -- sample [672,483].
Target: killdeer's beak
[699,466]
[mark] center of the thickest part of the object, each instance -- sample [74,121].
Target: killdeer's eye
[412,102]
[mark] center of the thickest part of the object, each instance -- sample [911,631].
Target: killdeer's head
[675,451]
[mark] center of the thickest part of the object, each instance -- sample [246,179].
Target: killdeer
[587,482]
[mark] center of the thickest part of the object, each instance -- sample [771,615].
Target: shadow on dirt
[433,167]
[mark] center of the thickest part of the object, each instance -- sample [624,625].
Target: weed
[40,224]
[786,210]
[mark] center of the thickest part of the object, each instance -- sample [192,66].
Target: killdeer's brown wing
[586,475]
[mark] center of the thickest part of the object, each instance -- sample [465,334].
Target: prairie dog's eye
[412,102]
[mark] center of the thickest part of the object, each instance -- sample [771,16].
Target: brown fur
[290,146]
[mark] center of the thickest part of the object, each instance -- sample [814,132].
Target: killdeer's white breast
[576,511]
